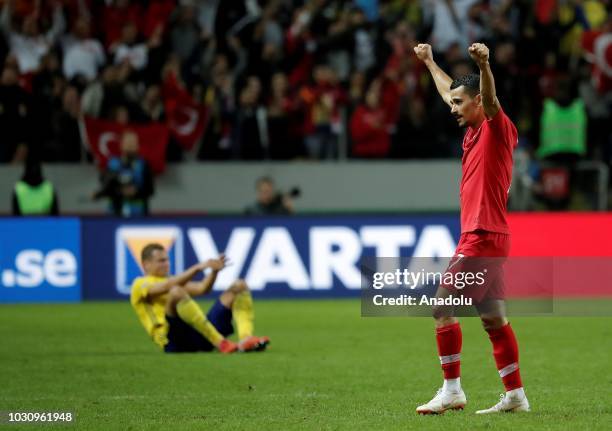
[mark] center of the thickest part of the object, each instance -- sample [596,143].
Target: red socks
[449,348]
[505,352]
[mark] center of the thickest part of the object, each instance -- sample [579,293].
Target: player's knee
[177,293]
[239,286]
[441,312]
[489,323]
[436,312]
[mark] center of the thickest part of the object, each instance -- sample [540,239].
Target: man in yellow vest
[563,129]
[33,194]
[563,141]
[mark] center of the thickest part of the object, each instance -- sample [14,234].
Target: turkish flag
[186,118]
[598,47]
[104,138]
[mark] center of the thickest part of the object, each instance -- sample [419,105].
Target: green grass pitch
[327,369]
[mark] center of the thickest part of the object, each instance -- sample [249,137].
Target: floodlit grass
[327,369]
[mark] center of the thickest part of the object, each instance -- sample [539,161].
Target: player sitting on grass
[174,320]
[488,143]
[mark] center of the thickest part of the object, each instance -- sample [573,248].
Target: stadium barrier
[73,259]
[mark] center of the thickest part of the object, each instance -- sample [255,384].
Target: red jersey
[486,174]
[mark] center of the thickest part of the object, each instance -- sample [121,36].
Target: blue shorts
[184,338]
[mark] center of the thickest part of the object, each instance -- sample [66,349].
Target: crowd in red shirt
[287,79]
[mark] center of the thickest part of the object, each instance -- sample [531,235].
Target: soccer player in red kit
[486,176]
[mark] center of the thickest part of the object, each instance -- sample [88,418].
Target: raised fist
[479,53]
[423,51]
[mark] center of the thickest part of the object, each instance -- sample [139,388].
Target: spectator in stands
[48,88]
[507,77]
[127,181]
[369,127]
[33,195]
[563,133]
[336,48]
[15,115]
[596,88]
[67,144]
[285,119]
[49,82]
[273,38]
[300,44]
[269,200]
[109,90]
[453,23]
[116,14]
[357,87]
[563,125]
[206,11]
[30,44]
[250,138]
[327,50]
[416,136]
[120,114]
[151,107]
[156,16]
[219,99]
[186,33]
[323,99]
[129,50]
[363,41]
[83,55]
[402,74]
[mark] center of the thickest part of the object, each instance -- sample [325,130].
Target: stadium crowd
[286,79]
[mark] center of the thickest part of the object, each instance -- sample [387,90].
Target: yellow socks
[192,314]
[242,310]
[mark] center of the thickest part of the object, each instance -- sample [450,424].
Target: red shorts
[481,254]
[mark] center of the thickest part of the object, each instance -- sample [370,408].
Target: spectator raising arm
[5,18]
[59,24]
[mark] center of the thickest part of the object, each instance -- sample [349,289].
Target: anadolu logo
[129,242]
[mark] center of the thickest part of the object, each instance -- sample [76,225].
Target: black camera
[294,192]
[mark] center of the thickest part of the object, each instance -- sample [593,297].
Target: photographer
[127,182]
[271,202]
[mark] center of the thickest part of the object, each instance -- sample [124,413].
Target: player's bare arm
[177,280]
[198,288]
[441,79]
[480,54]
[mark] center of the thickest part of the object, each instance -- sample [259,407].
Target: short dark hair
[471,83]
[149,249]
[264,179]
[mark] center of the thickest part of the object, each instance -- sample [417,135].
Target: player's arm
[198,288]
[177,280]
[480,54]
[441,79]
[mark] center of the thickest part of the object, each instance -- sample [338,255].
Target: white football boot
[508,403]
[442,402]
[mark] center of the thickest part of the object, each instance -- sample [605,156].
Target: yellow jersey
[151,312]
